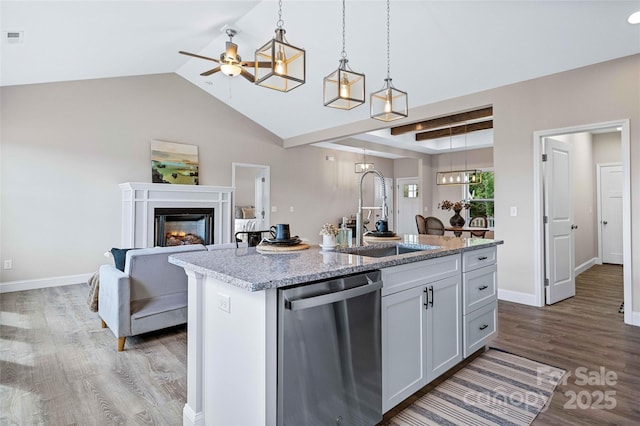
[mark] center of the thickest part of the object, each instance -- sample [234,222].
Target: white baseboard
[517,297]
[10,286]
[586,265]
[635,318]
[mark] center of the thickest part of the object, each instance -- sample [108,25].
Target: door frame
[267,193]
[599,167]
[538,212]
[400,195]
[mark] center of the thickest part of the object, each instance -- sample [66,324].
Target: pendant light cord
[344,51]
[388,43]
[280,22]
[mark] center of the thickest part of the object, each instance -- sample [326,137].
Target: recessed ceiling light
[634,18]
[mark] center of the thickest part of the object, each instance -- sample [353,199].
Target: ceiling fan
[230,62]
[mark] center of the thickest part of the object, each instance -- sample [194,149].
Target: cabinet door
[403,345]
[444,326]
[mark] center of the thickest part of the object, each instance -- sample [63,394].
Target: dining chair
[478,222]
[421,224]
[434,226]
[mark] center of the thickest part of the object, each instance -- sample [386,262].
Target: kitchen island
[232,319]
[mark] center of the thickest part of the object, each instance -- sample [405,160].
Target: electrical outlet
[224,302]
[8,264]
[514,211]
[274,209]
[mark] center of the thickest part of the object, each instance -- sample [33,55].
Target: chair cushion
[154,305]
[120,256]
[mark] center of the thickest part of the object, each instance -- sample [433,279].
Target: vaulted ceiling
[439,49]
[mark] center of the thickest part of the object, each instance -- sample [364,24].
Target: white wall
[66,147]
[606,148]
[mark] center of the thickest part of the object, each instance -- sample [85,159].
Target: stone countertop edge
[253,271]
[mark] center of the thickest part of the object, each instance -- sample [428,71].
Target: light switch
[291,209]
[274,209]
[514,211]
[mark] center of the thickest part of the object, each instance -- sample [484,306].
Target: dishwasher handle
[325,299]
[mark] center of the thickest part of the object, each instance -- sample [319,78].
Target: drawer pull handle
[483,326]
[483,258]
[483,287]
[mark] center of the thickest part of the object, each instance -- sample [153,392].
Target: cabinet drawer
[475,259]
[404,277]
[479,288]
[479,326]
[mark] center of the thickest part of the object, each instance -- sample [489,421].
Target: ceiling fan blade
[199,56]
[260,64]
[246,74]
[211,71]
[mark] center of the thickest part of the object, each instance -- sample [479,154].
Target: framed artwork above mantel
[175,163]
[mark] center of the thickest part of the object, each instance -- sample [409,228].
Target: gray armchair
[150,294]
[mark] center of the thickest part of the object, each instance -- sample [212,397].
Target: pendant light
[389,103]
[344,88]
[459,177]
[280,65]
[364,166]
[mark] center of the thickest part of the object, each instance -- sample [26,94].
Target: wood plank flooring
[58,367]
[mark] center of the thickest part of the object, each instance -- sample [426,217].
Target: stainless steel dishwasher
[329,352]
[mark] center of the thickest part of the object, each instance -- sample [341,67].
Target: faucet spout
[382,208]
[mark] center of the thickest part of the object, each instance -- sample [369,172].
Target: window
[411,190]
[481,198]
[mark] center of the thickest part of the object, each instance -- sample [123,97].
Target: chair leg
[102,323]
[121,343]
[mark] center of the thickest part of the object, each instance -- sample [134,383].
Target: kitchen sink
[385,251]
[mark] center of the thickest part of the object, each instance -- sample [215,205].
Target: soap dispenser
[345,234]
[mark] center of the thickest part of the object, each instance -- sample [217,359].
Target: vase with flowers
[456,220]
[329,233]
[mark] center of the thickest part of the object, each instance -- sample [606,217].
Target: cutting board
[272,248]
[381,239]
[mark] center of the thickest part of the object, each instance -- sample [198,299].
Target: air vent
[14,36]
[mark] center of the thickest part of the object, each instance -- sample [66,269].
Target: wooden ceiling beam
[443,121]
[454,131]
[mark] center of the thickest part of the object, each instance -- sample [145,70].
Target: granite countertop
[254,271]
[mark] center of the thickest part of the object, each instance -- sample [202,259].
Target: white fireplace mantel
[140,199]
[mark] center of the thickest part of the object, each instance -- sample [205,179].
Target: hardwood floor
[58,367]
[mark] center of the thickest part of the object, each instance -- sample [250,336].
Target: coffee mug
[382,226]
[280,231]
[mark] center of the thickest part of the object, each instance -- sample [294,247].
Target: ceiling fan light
[286,69]
[634,18]
[231,70]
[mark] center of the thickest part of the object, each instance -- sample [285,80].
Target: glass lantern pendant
[389,103]
[280,65]
[344,88]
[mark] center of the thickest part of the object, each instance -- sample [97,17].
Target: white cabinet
[480,304]
[421,325]
[444,326]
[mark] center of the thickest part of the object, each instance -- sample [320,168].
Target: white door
[558,210]
[408,205]
[610,204]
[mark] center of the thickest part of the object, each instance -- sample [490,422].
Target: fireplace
[182,226]
[142,201]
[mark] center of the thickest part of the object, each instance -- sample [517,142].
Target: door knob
[604,222]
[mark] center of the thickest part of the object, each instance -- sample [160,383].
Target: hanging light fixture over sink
[344,88]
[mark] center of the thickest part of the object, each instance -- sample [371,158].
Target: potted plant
[456,220]
[329,233]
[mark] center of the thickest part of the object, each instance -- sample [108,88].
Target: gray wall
[66,146]
[595,94]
